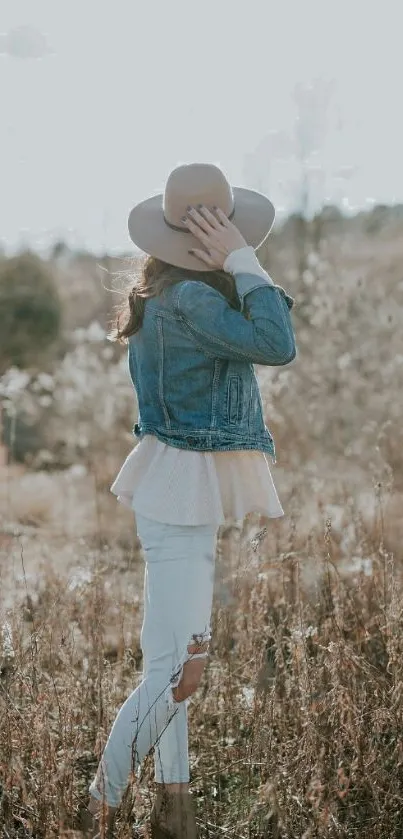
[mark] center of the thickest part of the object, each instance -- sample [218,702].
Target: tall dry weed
[295,731]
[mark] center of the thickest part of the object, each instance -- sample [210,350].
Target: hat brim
[254,216]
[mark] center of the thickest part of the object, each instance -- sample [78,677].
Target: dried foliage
[295,732]
[30,310]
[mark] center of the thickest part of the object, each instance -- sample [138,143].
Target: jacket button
[191,440]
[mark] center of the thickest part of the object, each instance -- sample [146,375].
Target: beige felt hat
[155,224]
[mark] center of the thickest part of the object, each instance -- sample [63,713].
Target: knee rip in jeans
[185,679]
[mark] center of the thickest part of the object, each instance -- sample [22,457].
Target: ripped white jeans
[178,593]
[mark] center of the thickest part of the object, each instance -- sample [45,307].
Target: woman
[202,314]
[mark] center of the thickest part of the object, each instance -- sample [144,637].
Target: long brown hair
[154,277]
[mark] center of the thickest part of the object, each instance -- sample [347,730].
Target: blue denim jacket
[191,363]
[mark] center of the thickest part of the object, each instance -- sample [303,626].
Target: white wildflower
[95,332]
[313,259]
[14,382]
[344,360]
[44,382]
[7,641]
[308,277]
[77,470]
[248,695]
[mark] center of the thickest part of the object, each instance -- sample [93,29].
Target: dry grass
[296,730]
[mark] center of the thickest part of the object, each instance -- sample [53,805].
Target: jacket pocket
[234,404]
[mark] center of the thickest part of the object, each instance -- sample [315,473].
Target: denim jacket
[191,363]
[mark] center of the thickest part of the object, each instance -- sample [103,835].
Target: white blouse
[182,486]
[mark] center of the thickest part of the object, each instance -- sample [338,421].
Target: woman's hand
[216,232]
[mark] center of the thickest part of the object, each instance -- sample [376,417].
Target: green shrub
[30,310]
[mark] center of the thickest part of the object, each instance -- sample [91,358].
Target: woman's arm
[265,334]
[267,337]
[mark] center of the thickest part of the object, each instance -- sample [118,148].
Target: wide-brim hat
[155,224]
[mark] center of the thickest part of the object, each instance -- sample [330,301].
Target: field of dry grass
[295,732]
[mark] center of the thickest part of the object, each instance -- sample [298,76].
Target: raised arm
[261,333]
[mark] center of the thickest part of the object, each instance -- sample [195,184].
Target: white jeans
[178,593]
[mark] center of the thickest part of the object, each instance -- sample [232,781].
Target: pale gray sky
[101,99]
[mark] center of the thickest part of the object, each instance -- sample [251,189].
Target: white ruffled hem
[181,486]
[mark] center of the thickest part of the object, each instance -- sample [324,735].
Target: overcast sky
[100,99]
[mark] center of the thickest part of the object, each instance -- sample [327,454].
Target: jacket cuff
[288,299]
